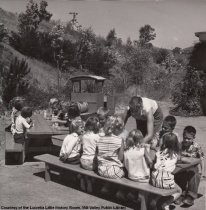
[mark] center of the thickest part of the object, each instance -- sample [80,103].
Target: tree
[57,37]
[27,39]
[186,95]
[111,38]
[146,35]
[14,82]
[33,16]
[3,32]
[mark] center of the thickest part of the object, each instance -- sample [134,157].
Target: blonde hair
[114,125]
[75,124]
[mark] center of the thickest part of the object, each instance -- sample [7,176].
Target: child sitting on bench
[89,144]
[71,148]
[189,179]
[23,122]
[161,175]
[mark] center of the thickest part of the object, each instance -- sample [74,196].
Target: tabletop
[44,127]
[180,166]
[58,139]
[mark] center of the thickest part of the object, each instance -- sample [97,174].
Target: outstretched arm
[150,127]
[127,116]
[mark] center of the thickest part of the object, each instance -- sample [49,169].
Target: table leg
[143,196]
[47,172]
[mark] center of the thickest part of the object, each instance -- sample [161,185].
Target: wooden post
[47,173]
[143,199]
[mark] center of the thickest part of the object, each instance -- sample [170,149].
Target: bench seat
[143,188]
[14,152]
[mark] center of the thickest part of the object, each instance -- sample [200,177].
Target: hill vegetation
[55,51]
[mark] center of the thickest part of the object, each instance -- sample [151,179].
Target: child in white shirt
[134,157]
[22,123]
[71,148]
[89,143]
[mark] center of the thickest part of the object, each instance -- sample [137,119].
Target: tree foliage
[146,35]
[14,82]
[186,95]
[3,32]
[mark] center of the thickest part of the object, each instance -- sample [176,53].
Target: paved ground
[23,186]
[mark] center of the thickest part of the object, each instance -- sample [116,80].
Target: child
[89,144]
[168,125]
[16,111]
[110,149]
[189,179]
[22,122]
[73,113]
[102,114]
[71,148]
[134,157]
[165,164]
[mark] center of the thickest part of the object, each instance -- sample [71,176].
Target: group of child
[102,144]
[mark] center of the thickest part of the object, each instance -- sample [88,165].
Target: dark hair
[18,105]
[92,124]
[73,111]
[171,121]
[136,103]
[190,129]
[26,112]
[134,139]
[171,143]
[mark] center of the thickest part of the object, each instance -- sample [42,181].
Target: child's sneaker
[189,201]
[179,200]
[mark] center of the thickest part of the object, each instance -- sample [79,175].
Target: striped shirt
[108,148]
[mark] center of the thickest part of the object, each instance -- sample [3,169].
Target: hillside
[9,19]
[44,74]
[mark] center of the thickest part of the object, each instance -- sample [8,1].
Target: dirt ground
[23,186]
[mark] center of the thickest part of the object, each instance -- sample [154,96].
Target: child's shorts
[88,164]
[19,138]
[162,179]
[74,160]
[110,171]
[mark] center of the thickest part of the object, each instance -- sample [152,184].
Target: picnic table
[43,127]
[58,139]
[39,136]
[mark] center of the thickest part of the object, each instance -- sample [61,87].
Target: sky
[175,21]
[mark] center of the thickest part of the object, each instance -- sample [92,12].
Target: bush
[14,82]
[186,96]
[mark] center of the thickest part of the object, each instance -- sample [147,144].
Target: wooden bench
[14,153]
[53,164]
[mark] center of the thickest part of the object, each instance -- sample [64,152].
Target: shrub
[14,82]
[186,96]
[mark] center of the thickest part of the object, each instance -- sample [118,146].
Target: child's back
[71,147]
[89,143]
[134,157]
[110,149]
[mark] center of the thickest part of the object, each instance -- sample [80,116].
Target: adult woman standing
[148,116]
